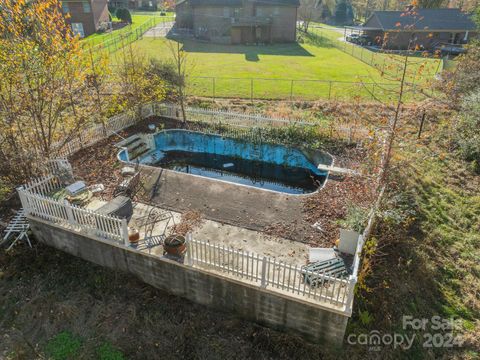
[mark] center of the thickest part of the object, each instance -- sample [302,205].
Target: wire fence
[121,38]
[295,89]
[382,61]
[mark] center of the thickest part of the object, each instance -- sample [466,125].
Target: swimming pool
[266,166]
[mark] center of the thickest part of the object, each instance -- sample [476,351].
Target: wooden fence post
[422,121]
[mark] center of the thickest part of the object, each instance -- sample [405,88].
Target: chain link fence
[294,89]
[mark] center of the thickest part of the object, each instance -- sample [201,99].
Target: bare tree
[180,60]
[309,10]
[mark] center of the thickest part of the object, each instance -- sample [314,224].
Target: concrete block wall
[272,309]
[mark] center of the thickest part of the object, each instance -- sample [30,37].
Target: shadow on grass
[251,52]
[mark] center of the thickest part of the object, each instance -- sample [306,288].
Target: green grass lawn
[318,70]
[138,19]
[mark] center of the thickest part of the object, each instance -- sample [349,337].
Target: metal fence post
[329,90]
[251,90]
[213,87]
[373,91]
[263,283]
[291,90]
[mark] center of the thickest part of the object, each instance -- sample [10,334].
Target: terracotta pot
[174,245]
[133,236]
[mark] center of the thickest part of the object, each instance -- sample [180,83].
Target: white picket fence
[270,273]
[218,116]
[252,120]
[37,201]
[94,133]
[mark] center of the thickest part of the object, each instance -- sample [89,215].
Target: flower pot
[175,245]
[133,236]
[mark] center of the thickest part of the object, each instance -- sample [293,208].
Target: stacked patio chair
[316,273]
[17,230]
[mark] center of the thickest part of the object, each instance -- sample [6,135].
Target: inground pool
[267,166]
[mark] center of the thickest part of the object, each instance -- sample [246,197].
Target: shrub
[467,132]
[124,15]
[107,352]
[63,346]
[356,218]
[165,71]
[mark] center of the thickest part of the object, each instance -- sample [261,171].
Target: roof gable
[422,19]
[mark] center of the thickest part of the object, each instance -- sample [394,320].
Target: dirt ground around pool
[310,219]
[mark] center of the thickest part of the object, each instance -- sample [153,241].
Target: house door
[77,29]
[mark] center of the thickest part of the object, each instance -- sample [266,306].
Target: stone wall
[311,321]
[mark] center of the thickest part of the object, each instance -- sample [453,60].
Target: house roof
[421,19]
[239,2]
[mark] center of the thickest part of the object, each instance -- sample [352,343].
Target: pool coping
[123,148]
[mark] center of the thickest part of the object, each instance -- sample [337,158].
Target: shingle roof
[423,19]
[239,2]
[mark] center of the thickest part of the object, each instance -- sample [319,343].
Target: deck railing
[37,200]
[267,272]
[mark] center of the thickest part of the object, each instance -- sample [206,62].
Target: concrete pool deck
[224,202]
[214,232]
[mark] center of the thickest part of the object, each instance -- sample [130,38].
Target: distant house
[135,4]
[86,16]
[427,29]
[239,21]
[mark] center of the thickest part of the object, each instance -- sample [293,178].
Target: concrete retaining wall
[263,306]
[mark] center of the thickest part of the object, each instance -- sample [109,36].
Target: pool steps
[137,145]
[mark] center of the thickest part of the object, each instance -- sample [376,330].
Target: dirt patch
[288,216]
[44,292]
[189,221]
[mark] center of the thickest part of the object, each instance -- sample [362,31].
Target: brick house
[86,16]
[239,21]
[426,29]
[135,4]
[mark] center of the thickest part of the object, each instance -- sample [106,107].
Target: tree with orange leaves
[45,84]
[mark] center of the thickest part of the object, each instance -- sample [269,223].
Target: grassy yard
[317,71]
[317,67]
[138,19]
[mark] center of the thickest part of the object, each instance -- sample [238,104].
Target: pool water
[291,180]
[267,166]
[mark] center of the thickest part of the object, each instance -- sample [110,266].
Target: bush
[165,71]
[108,352]
[467,132]
[124,15]
[63,346]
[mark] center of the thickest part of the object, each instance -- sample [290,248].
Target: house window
[86,7]
[276,11]
[226,11]
[65,7]
[77,29]
[259,11]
